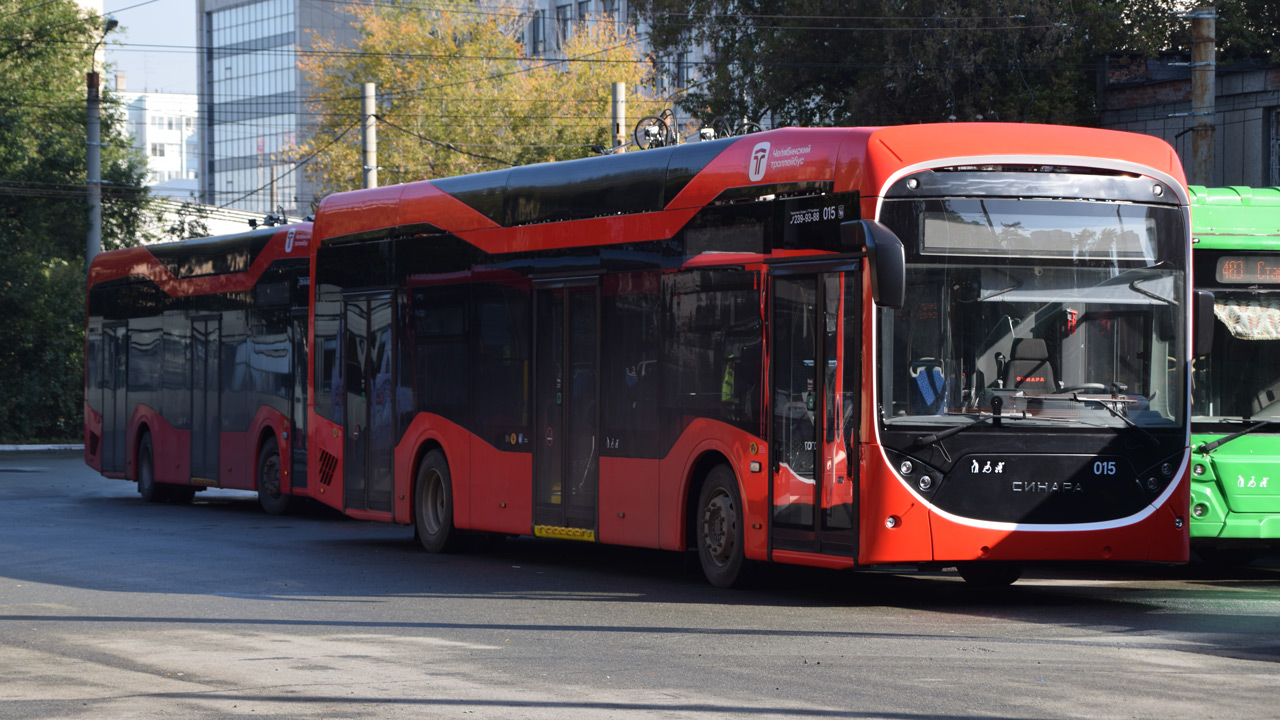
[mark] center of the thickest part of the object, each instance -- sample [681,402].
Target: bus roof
[651,194]
[221,263]
[1235,218]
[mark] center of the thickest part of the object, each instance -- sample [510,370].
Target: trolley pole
[1203,72]
[369,112]
[619,117]
[93,167]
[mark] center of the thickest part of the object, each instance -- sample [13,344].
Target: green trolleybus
[1235,489]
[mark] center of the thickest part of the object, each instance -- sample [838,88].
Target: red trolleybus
[194,365]
[956,345]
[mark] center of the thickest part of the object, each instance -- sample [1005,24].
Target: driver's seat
[1028,367]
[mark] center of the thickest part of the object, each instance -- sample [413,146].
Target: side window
[439,324]
[329,390]
[631,326]
[501,365]
[714,358]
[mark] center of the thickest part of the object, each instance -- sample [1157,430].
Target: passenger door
[816,342]
[567,412]
[368,481]
[206,410]
[115,353]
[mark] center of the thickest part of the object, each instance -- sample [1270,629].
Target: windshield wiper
[1209,447]
[931,438]
[1158,298]
[1116,413]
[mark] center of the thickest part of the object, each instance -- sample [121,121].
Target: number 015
[1104,467]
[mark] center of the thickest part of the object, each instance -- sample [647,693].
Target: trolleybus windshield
[1033,305]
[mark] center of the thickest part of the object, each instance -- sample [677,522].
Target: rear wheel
[270,496]
[148,488]
[433,505]
[719,529]
[989,575]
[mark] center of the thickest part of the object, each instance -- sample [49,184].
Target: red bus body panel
[645,502]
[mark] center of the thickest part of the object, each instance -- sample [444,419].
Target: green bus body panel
[1239,484]
[1235,218]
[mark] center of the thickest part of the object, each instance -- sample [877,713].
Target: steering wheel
[1085,387]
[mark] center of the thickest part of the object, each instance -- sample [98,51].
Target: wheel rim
[269,483]
[433,502]
[719,526]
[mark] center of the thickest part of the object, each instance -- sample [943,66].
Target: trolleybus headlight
[1199,510]
[1167,469]
[906,467]
[1158,190]
[892,521]
[1178,523]
[925,482]
[1153,484]
[1197,469]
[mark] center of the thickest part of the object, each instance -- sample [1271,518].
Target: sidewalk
[42,448]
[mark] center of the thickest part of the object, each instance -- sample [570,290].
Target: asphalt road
[111,607]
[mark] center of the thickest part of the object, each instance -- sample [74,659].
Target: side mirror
[885,257]
[1202,323]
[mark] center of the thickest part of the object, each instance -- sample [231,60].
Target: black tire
[433,505]
[148,488]
[989,575]
[719,525]
[272,499]
[1227,556]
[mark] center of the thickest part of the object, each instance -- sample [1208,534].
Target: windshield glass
[1240,377]
[1067,311]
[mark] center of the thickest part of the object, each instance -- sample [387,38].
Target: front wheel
[433,505]
[270,496]
[720,533]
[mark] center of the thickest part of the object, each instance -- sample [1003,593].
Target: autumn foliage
[458,93]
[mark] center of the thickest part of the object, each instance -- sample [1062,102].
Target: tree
[831,62]
[45,51]
[457,93]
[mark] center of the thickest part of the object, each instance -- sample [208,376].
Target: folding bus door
[298,399]
[368,466]
[566,450]
[206,399]
[816,346]
[115,417]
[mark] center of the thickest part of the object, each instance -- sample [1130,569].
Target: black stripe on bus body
[621,184]
[137,296]
[220,255]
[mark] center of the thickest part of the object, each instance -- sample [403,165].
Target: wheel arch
[267,432]
[426,446]
[699,469]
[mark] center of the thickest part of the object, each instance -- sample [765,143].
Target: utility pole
[1203,76]
[619,117]
[93,149]
[369,111]
[93,168]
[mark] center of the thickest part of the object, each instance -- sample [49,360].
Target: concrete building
[253,99]
[1153,97]
[165,128]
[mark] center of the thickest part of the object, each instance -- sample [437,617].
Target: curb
[40,448]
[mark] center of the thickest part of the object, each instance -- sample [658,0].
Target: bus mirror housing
[885,257]
[1202,324]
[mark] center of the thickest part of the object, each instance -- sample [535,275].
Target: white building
[165,128]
